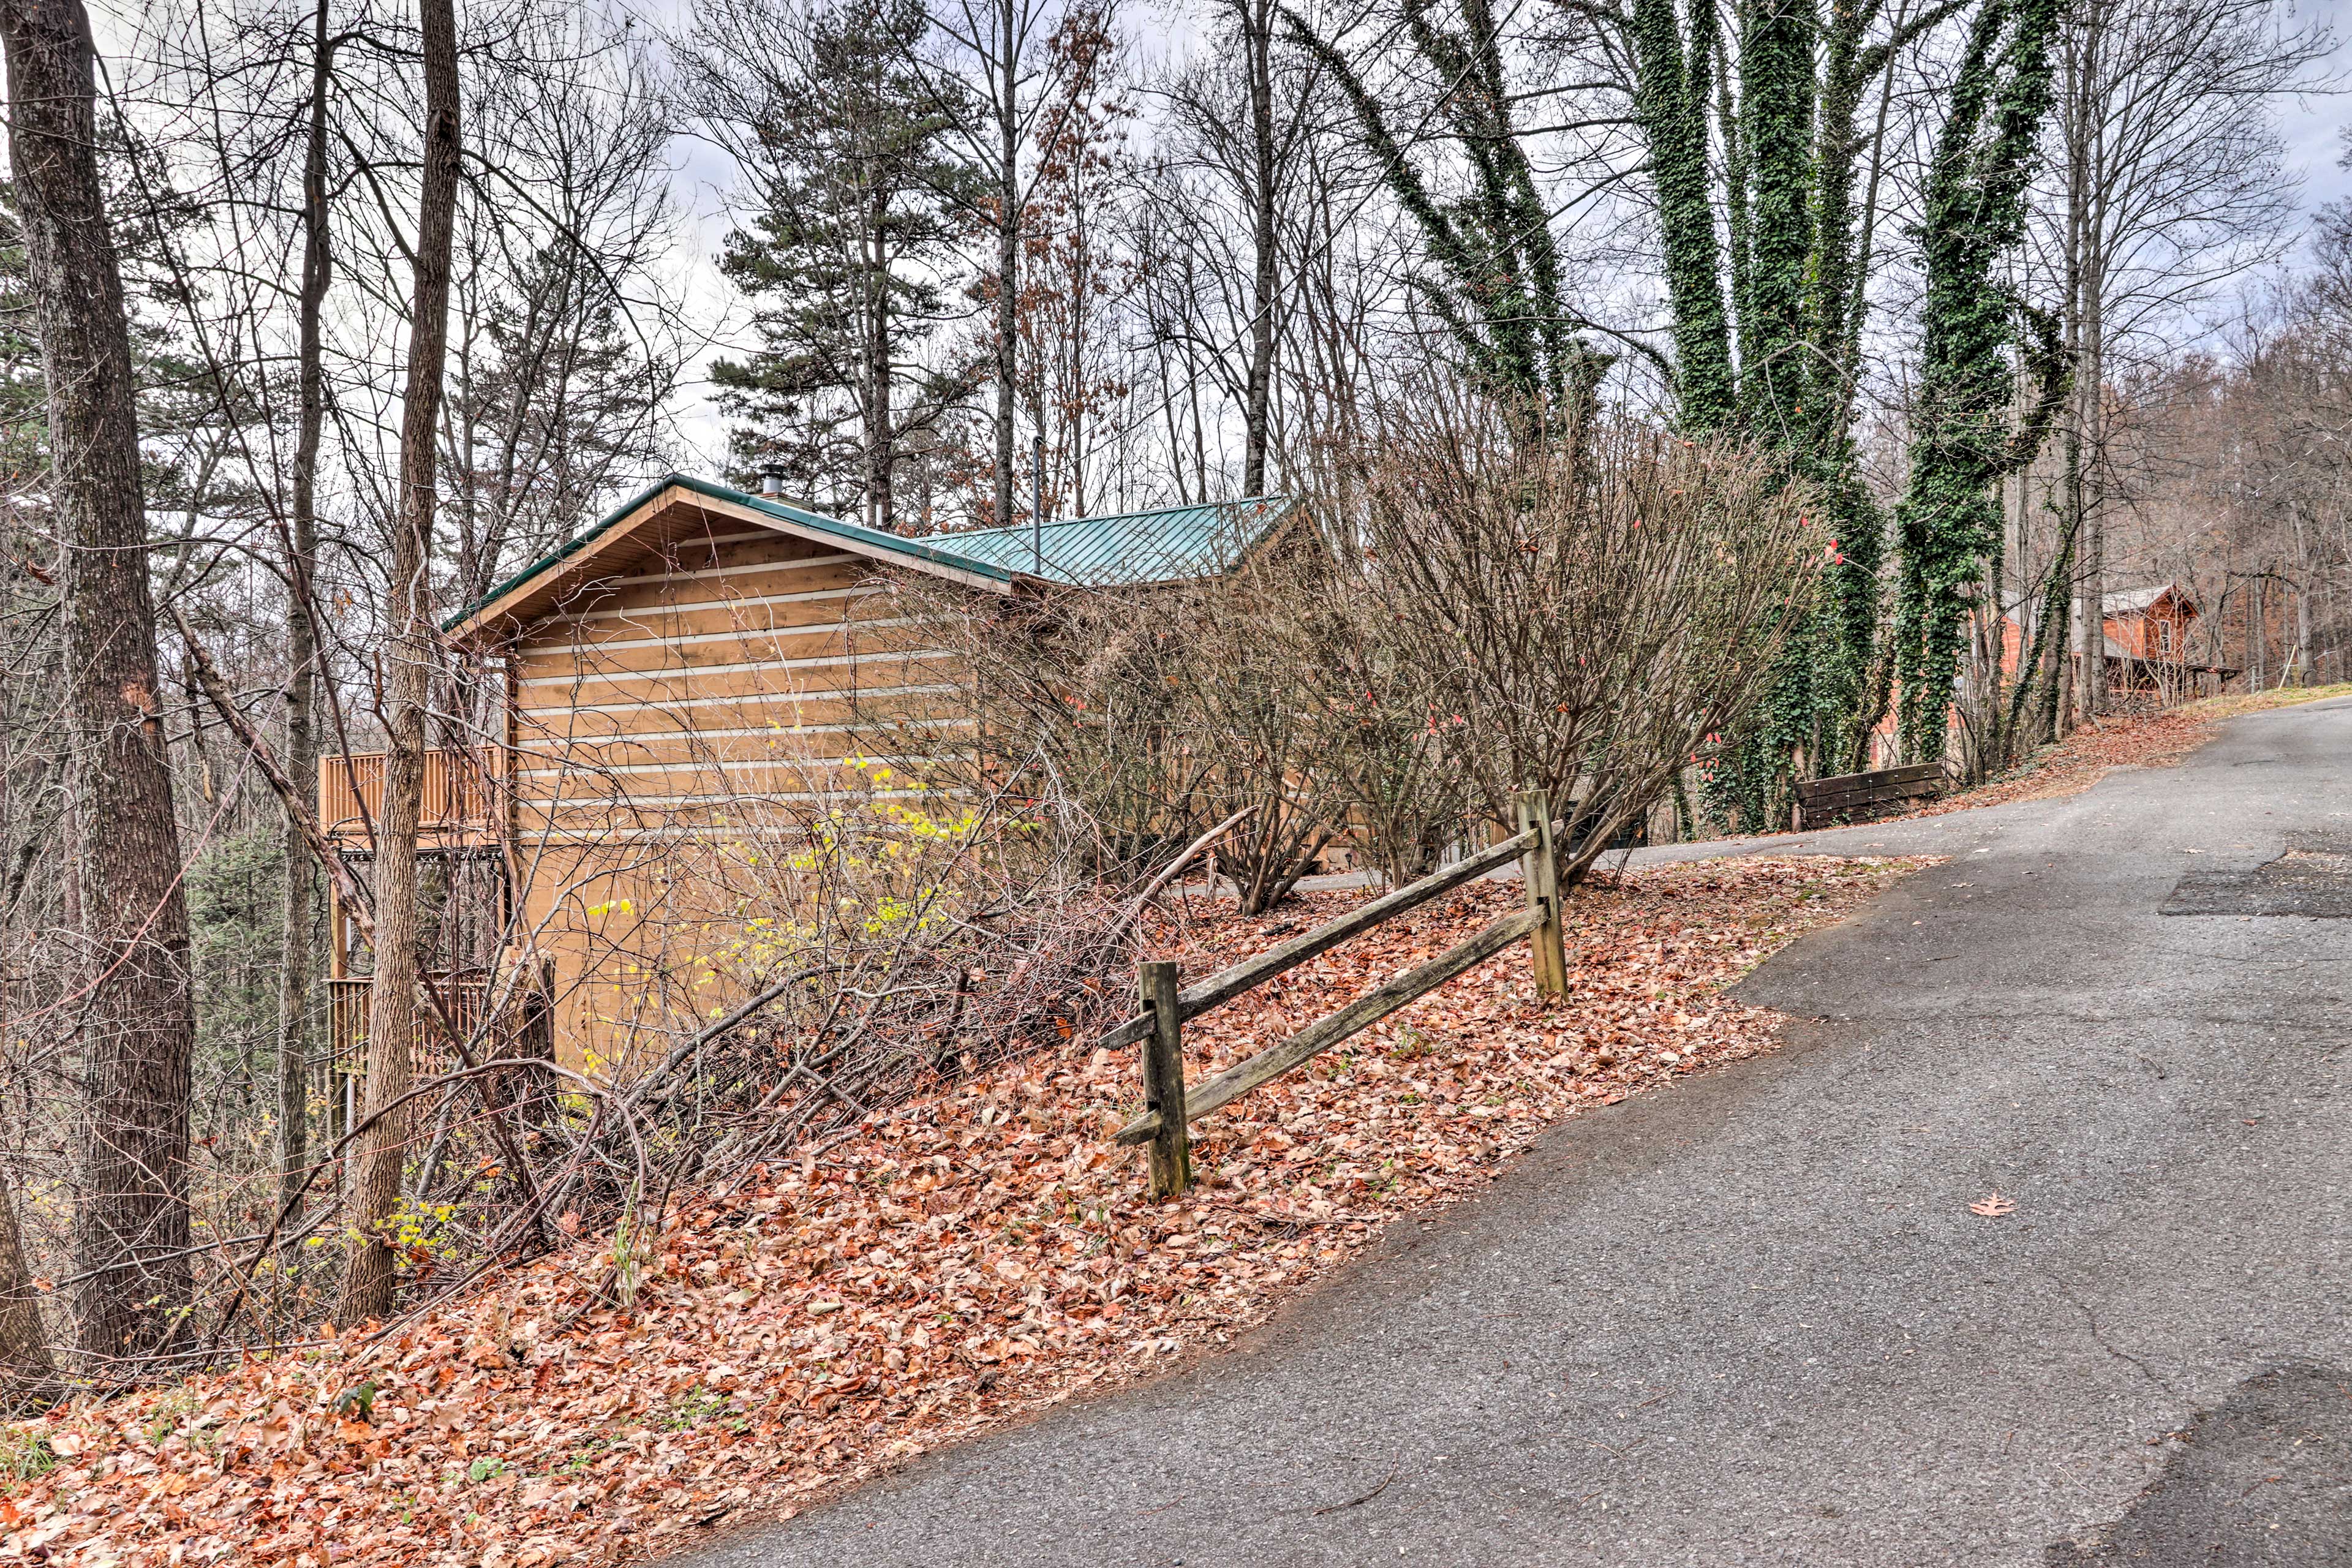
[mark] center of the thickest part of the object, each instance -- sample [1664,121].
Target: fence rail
[1171,1106]
[1819,800]
[1250,973]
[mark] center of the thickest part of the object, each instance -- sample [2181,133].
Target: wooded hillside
[1674,399]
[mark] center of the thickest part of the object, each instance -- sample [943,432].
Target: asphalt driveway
[1754,1320]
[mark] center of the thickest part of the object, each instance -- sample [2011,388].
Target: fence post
[1540,870]
[1163,1078]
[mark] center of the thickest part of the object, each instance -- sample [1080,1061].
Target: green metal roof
[1123,549]
[1169,544]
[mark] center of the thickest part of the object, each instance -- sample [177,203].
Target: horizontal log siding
[676,724]
[814,712]
[770,595]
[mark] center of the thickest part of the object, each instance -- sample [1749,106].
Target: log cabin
[678,685]
[2146,635]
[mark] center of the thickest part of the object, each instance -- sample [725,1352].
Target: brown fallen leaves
[1993,1205]
[955,1262]
[2157,740]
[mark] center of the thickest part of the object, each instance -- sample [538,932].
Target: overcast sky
[2311,124]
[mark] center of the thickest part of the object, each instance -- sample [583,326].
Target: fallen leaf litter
[958,1261]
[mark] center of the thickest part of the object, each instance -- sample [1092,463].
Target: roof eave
[473,623]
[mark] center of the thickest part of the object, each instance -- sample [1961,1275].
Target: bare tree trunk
[1008,254]
[1168,413]
[881,439]
[2090,375]
[138,1025]
[369,1278]
[24,1364]
[2299,663]
[2259,635]
[1257,33]
[2088,260]
[302,648]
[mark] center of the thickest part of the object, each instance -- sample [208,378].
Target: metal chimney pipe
[1037,504]
[772,485]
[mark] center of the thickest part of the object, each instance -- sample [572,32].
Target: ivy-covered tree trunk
[1850,685]
[1670,101]
[1776,130]
[1949,521]
[1760,206]
[1492,278]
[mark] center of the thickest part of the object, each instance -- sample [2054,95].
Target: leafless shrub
[894,937]
[1582,616]
[1155,712]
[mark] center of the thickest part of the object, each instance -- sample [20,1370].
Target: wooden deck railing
[461,802]
[1169,1107]
[467,996]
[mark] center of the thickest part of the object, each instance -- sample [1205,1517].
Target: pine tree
[843,258]
[560,403]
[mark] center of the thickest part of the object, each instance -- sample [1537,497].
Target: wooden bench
[1822,800]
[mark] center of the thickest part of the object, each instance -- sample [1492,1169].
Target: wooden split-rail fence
[1171,1106]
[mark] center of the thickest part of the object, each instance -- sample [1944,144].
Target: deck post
[1163,1078]
[1539,870]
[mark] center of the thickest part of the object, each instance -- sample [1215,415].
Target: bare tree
[1254,20]
[1587,616]
[1230,230]
[303,654]
[987,56]
[137,1016]
[2171,184]
[1073,369]
[566,351]
[408,660]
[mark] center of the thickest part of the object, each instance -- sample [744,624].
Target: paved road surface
[1752,1320]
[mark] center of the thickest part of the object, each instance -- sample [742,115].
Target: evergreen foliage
[561,405]
[235,915]
[844,262]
